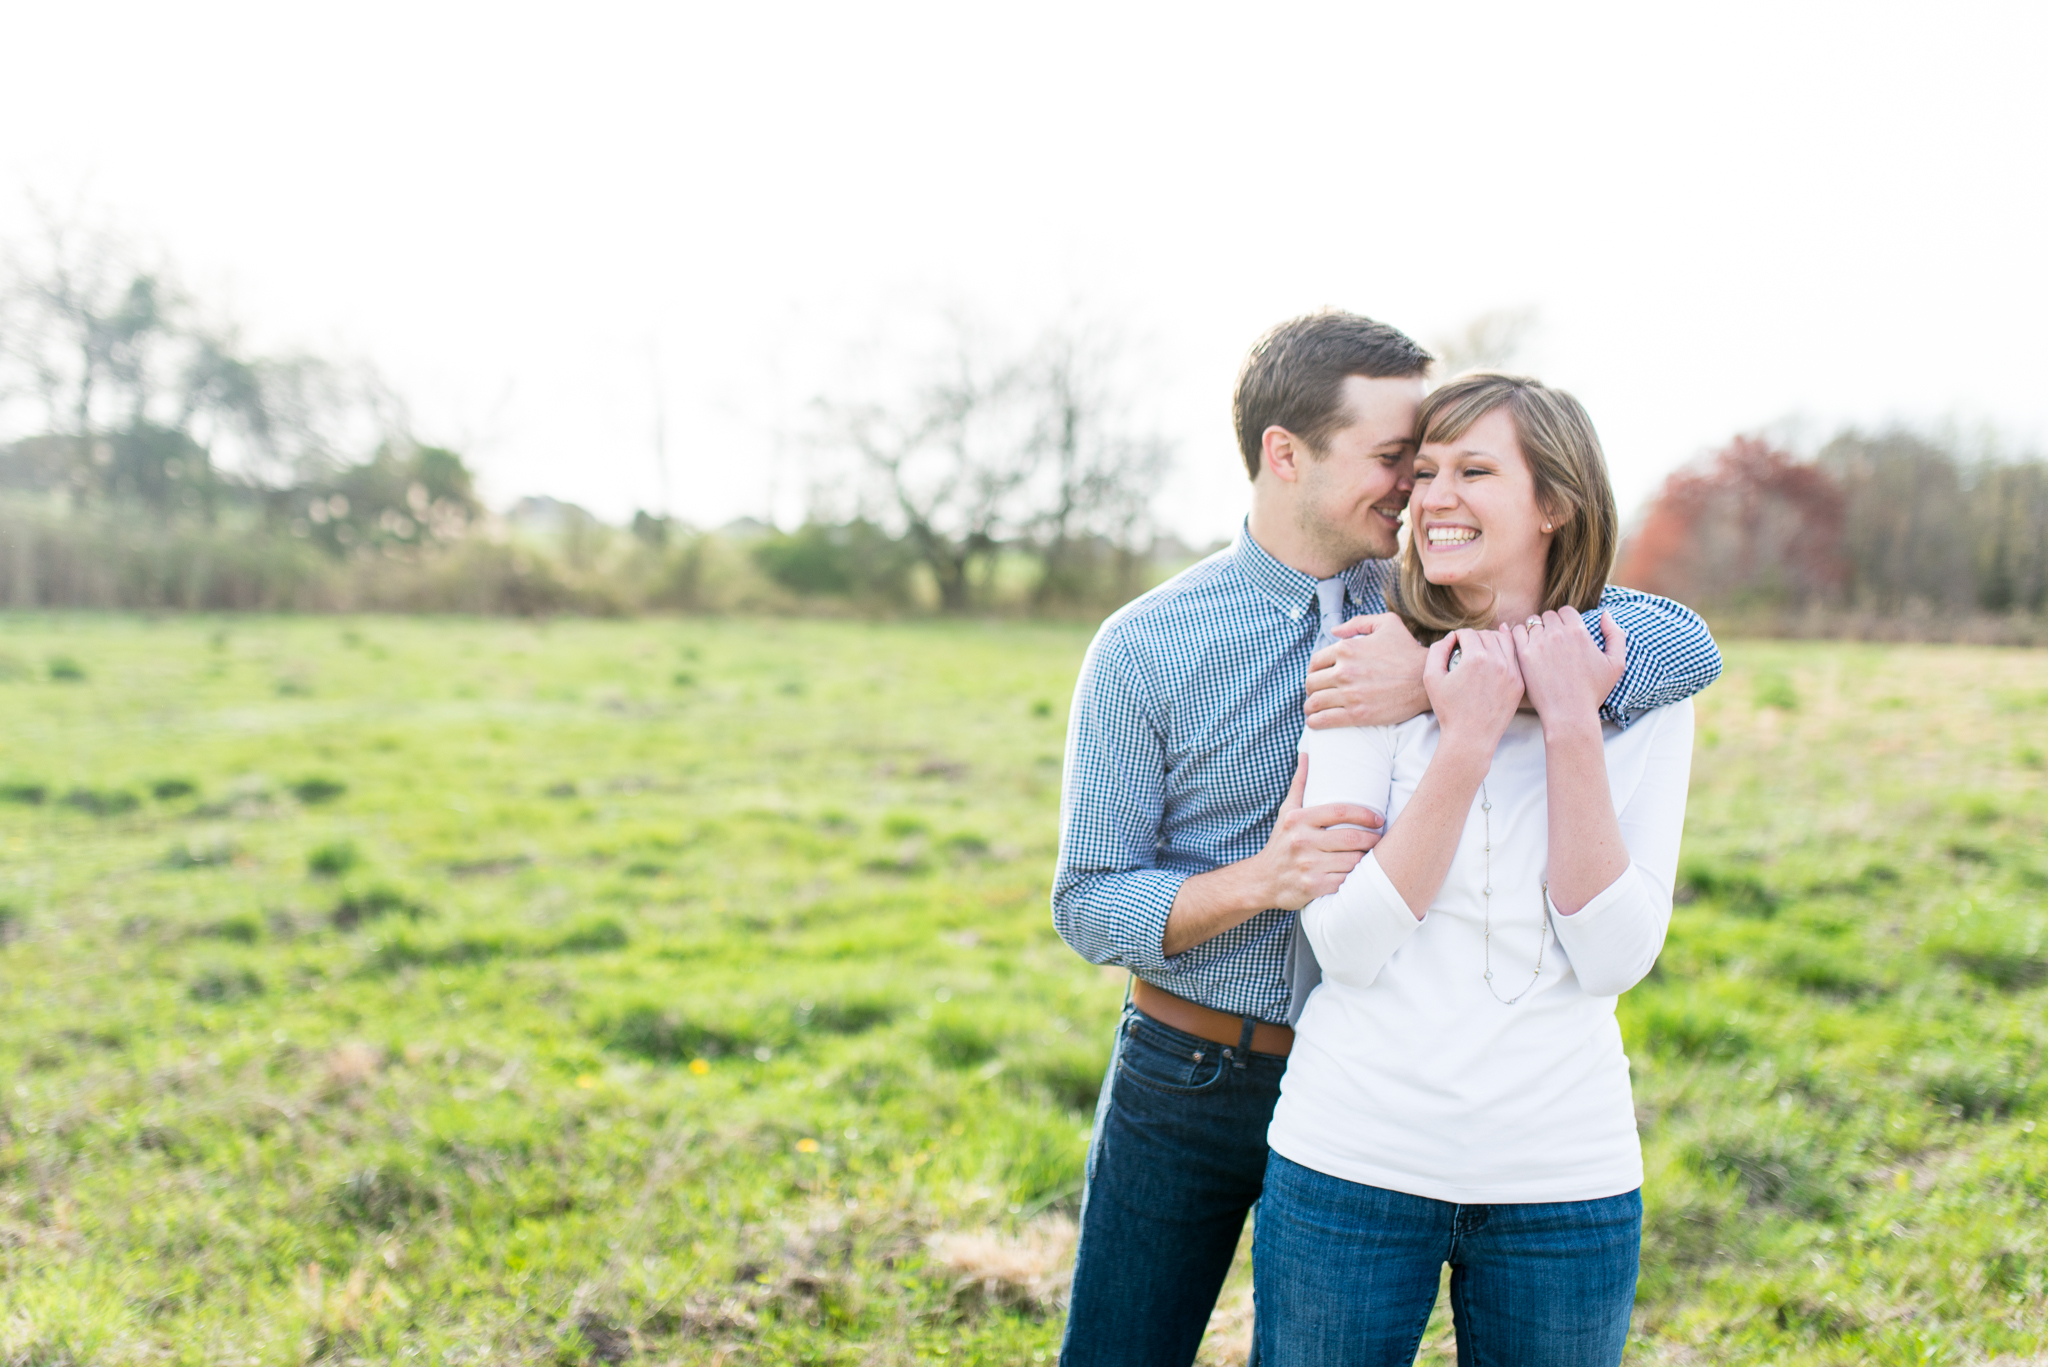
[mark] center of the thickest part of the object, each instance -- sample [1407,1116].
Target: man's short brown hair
[1294,376]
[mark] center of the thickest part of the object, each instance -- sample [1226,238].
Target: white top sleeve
[1614,939]
[1357,928]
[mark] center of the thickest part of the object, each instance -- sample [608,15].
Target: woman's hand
[1474,702]
[1567,676]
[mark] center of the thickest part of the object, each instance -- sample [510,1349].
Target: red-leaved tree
[1751,527]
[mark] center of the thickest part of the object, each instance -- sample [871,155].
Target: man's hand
[1372,676]
[1312,848]
[1306,857]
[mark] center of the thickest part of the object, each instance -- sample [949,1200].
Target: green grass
[470,991]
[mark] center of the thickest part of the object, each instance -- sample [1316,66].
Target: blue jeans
[1177,1159]
[1347,1274]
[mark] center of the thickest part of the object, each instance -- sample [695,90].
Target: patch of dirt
[1028,1270]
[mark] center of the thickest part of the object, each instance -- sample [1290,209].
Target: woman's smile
[1441,537]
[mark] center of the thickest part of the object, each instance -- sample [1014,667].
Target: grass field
[474,991]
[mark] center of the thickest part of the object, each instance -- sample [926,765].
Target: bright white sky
[1725,215]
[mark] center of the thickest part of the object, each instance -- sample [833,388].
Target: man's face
[1352,493]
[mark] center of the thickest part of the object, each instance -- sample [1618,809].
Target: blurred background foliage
[1889,534]
[161,463]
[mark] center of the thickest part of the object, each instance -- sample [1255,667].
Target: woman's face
[1474,516]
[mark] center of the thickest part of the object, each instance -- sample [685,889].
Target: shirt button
[1296,614]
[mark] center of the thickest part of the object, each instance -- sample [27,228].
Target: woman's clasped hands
[1476,680]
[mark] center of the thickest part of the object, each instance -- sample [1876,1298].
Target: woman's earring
[1546,526]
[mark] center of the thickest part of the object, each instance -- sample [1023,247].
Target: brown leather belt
[1206,1023]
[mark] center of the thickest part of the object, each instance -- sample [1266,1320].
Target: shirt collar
[1293,591]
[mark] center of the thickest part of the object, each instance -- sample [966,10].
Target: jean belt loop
[1244,1042]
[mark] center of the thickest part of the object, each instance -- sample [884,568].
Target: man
[1180,858]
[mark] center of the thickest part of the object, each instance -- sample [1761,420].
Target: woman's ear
[1556,517]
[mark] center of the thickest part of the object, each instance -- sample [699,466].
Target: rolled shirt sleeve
[1671,654]
[1110,898]
[1614,939]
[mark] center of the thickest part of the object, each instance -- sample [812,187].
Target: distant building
[543,516]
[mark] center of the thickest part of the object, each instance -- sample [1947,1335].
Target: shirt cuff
[1622,717]
[1141,932]
[1610,959]
[1608,896]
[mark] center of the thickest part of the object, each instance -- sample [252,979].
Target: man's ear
[1283,453]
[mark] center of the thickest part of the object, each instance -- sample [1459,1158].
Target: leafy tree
[857,559]
[1754,526]
[404,495]
[140,394]
[1886,524]
[651,530]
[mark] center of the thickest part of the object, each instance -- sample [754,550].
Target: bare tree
[84,325]
[1004,448]
[1908,535]
[950,458]
[1488,341]
[310,416]
[1099,471]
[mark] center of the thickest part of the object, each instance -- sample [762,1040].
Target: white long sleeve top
[1406,1072]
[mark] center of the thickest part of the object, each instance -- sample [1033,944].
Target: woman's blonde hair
[1572,489]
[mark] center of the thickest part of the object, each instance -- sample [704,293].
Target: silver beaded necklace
[1486,891]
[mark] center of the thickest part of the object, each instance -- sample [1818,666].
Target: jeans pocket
[1167,1061]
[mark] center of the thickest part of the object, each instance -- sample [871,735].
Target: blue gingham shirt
[1182,744]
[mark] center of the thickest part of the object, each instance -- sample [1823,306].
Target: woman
[1457,1091]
